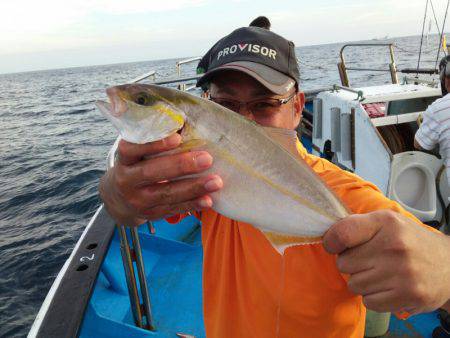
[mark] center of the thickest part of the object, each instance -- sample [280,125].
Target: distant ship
[381,38]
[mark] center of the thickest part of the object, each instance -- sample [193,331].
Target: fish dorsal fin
[287,138]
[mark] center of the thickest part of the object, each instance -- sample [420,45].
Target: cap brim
[272,79]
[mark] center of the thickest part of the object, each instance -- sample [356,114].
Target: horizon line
[174,58]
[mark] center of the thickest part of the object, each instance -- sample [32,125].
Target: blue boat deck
[173,266]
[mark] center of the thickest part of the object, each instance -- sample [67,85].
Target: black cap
[261,21]
[443,69]
[267,57]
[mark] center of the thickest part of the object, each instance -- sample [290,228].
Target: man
[380,256]
[435,127]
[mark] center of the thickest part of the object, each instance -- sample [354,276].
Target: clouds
[107,31]
[348,20]
[39,25]
[140,6]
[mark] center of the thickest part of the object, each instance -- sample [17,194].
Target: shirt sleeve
[428,134]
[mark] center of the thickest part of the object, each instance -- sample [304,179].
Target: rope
[442,33]
[435,19]
[424,51]
[413,51]
[421,38]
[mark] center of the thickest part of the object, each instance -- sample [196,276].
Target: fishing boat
[147,281]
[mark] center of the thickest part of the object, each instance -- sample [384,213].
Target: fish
[266,181]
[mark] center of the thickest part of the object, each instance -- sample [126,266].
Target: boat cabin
[370,131]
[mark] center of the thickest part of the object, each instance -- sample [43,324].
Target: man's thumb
[351,231]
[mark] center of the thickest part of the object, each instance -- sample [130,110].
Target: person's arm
[427,136]
[417,145]
[395,263]
[139,188]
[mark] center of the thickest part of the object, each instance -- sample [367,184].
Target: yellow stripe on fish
[164,109]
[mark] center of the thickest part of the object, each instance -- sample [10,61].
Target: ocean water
[53,147]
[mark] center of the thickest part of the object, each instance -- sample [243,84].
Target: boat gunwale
[43,325]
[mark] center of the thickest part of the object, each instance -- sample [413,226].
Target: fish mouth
[118,105]
[104,107]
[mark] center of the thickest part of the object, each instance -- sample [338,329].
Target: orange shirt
[246,293]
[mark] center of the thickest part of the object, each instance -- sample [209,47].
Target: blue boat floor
[173,265]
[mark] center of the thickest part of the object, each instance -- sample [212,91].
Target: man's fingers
[164,211]
[179,191]
[355,260]
[168,167]
[130,153]
[367,282]
[354,230]
[385,301]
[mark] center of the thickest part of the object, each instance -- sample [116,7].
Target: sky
[47,34]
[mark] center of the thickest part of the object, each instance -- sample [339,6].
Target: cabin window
[418,104]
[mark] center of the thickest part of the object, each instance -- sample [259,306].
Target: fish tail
[281,241]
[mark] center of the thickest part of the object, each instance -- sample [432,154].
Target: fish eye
[142,99]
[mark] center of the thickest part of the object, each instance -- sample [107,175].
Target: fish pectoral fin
[194,144]
[282,241]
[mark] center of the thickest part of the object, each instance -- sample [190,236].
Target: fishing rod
[442,33]
[421,38]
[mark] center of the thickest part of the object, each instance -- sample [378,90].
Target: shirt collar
[301,149]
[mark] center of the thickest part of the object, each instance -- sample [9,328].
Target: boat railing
[415,80]
[186,61]
[342,67]
[183,82]
[142,77]
[360,93]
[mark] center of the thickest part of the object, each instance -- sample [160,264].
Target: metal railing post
[142,278]
[151,228]
[127,259]
[178,65]
[343,70]
[392,66]
[130,255]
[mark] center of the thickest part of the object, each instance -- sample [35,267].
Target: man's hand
[393,262]
[139,188]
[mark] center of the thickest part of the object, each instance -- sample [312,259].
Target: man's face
[239,86]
